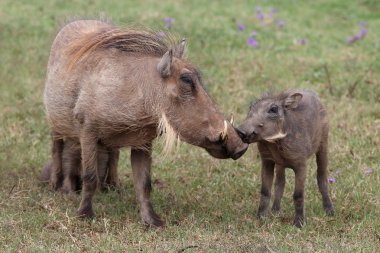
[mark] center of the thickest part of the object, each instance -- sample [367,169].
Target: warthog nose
[241,133]
[244,135]
[239,152]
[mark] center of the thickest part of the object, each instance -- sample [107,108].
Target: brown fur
[113,86]
[107,36]
[70,177]
[286,139]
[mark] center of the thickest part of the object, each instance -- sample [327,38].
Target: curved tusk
[276,137]
[223,135]
[232,119]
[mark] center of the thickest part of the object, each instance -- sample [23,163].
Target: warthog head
[191,112]
[266,118]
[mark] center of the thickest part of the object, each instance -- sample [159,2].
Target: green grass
[208,205]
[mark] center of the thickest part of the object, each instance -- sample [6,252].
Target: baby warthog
[289,128]
[109,87]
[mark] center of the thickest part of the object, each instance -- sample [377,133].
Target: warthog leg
[112,179]
[71,169]
[141,160]
[322,178]
[267,172]
[298,196]
[56,176]
[279,188]
[90,172]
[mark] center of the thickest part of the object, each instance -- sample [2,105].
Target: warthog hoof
[276,209]
[86,213]
[69,186]
[262,213]
[152,219]
[330,211]
[55,183]
[299,221]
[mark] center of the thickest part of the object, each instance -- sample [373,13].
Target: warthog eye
[273,109]
[186,78]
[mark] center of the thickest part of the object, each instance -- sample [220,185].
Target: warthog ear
[292,101]
[164,66]
[180,50]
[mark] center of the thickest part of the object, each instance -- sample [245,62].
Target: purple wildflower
[331,179]
[168,22]
[241,27]
[363,32]
[252,42]
[357,37]
[162,34]
[363,24]
[253,34]
[350,40]
[368,171]
[303,41]
[280,23]
[259,9]
[260,16]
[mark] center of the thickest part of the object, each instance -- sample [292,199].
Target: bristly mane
[131,40]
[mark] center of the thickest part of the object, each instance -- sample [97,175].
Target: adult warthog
[119,87]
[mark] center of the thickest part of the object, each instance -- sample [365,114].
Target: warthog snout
[247,136]
[239,152]
[228,145]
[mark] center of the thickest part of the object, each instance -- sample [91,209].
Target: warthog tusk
[275,137]
[232,119]
[223,135]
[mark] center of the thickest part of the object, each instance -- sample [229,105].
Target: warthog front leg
[90,173]
[141,160]
[279,188]
[267,172]
[298,196]
[56,176]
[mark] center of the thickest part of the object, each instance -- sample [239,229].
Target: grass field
[208,205]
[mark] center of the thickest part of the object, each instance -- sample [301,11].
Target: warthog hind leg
[111,179]
[90,173]
[298,196]
[56,175]
[322,179]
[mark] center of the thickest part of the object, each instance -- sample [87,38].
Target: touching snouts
[248,134]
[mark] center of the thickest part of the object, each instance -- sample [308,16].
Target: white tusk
[232,119]
[224,133]
[275,137]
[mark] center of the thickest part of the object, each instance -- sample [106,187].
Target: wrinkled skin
[116,96]
[289,128]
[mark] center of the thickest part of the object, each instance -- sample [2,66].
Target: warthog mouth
[219,149]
